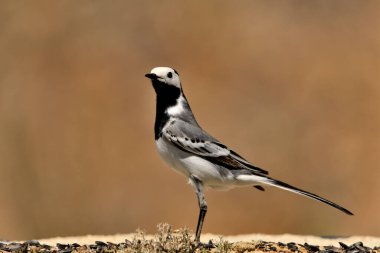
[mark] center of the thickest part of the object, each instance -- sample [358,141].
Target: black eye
[170,75]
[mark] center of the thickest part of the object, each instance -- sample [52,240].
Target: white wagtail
[204,160]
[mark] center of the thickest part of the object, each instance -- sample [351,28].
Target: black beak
[151,76]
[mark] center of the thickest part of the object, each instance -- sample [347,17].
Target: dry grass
[169,240]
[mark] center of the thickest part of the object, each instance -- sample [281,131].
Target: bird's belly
[192,165]
[171,155]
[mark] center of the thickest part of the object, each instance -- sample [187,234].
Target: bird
[191,151]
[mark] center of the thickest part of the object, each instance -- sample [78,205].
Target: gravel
[35,246]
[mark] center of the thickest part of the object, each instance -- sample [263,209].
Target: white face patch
[167,75]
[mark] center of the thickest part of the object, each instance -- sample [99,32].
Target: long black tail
[287,187]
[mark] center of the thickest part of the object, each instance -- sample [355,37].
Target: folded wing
[194,140]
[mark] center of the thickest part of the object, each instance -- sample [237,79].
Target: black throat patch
[167,96]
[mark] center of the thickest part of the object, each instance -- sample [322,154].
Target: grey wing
[193,139]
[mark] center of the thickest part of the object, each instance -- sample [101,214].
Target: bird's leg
[202,206]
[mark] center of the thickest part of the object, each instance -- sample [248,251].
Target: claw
[209,245]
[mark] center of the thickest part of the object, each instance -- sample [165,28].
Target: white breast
[171,155]
[188,165]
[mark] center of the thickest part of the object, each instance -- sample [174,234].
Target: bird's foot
[200,245]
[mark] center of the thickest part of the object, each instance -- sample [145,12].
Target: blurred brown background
[293,86]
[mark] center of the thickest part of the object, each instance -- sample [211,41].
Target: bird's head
[164,77]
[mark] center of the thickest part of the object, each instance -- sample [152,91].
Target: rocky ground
[168,240]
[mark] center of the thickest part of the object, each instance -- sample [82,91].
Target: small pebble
[332,249]
[62,246]
[272,248]
[344,246]
[75,245]
[292,246]
[312,248]
[100,243]
[32,243]
[359,247]
[93,246]
[14,246]
[65,251]
[45,246]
